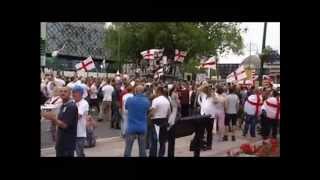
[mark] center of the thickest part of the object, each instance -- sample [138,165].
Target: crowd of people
[146,109]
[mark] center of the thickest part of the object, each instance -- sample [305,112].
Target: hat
[77,88]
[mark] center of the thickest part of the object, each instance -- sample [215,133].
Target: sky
[254,36]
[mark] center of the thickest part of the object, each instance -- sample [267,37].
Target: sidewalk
[114,147]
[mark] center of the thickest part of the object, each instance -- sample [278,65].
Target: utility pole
[262,57]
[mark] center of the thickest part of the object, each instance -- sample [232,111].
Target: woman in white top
[219,102]
[175,104]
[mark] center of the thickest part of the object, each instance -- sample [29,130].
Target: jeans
[129,140]
[250,121]
[80,146]
[64,153]
[208,129]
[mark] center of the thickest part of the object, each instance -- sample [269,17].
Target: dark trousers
[271,125]
[207,129]
[171,141]
[94,103]
[64,153]
[163,136]
[184,110]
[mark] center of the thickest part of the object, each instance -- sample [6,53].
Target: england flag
[180,55]
[86,65]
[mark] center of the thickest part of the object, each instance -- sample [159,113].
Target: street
[103,130]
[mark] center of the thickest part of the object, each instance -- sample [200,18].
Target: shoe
[233,138]
[209,148]
[99,120]
[225,138]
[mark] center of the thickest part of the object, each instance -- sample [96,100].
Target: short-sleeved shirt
[83,108]
[162,107]
[107,92]
[137,107]
[66,137]
[232,101]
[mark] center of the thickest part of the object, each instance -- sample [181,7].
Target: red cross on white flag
[179,55]
[209,64]
[86,65]
[148,54]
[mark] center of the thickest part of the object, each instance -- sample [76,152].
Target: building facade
[80,40]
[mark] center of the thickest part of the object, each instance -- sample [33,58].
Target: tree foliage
[197,38]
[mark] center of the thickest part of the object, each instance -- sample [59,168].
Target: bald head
[139,89]
[65,93]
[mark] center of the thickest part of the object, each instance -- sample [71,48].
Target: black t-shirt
[67,136]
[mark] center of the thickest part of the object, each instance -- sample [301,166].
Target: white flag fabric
[180,55]
[237,75]
[152,54]
[86,65]
[210,63]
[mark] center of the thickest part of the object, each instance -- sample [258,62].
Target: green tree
[200,38]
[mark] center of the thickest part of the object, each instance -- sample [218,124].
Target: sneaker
[233,138]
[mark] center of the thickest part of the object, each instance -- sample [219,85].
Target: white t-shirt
[93,92]
[124,100]
[201,100]
[59,82]
[107,92]
[232,101]
[208,107]
[71,84]
[83,108]
[251,109]
[162,107]
[270,110]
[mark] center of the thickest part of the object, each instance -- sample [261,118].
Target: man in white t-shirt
[105,110]
[83,108]
[232,108]
[160,110]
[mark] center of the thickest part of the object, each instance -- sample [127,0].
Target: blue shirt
[137,107]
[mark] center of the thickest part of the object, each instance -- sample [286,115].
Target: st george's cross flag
[237,75]
[209,64]
[148,54]
[180,55]
[86,65]
[152,54]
